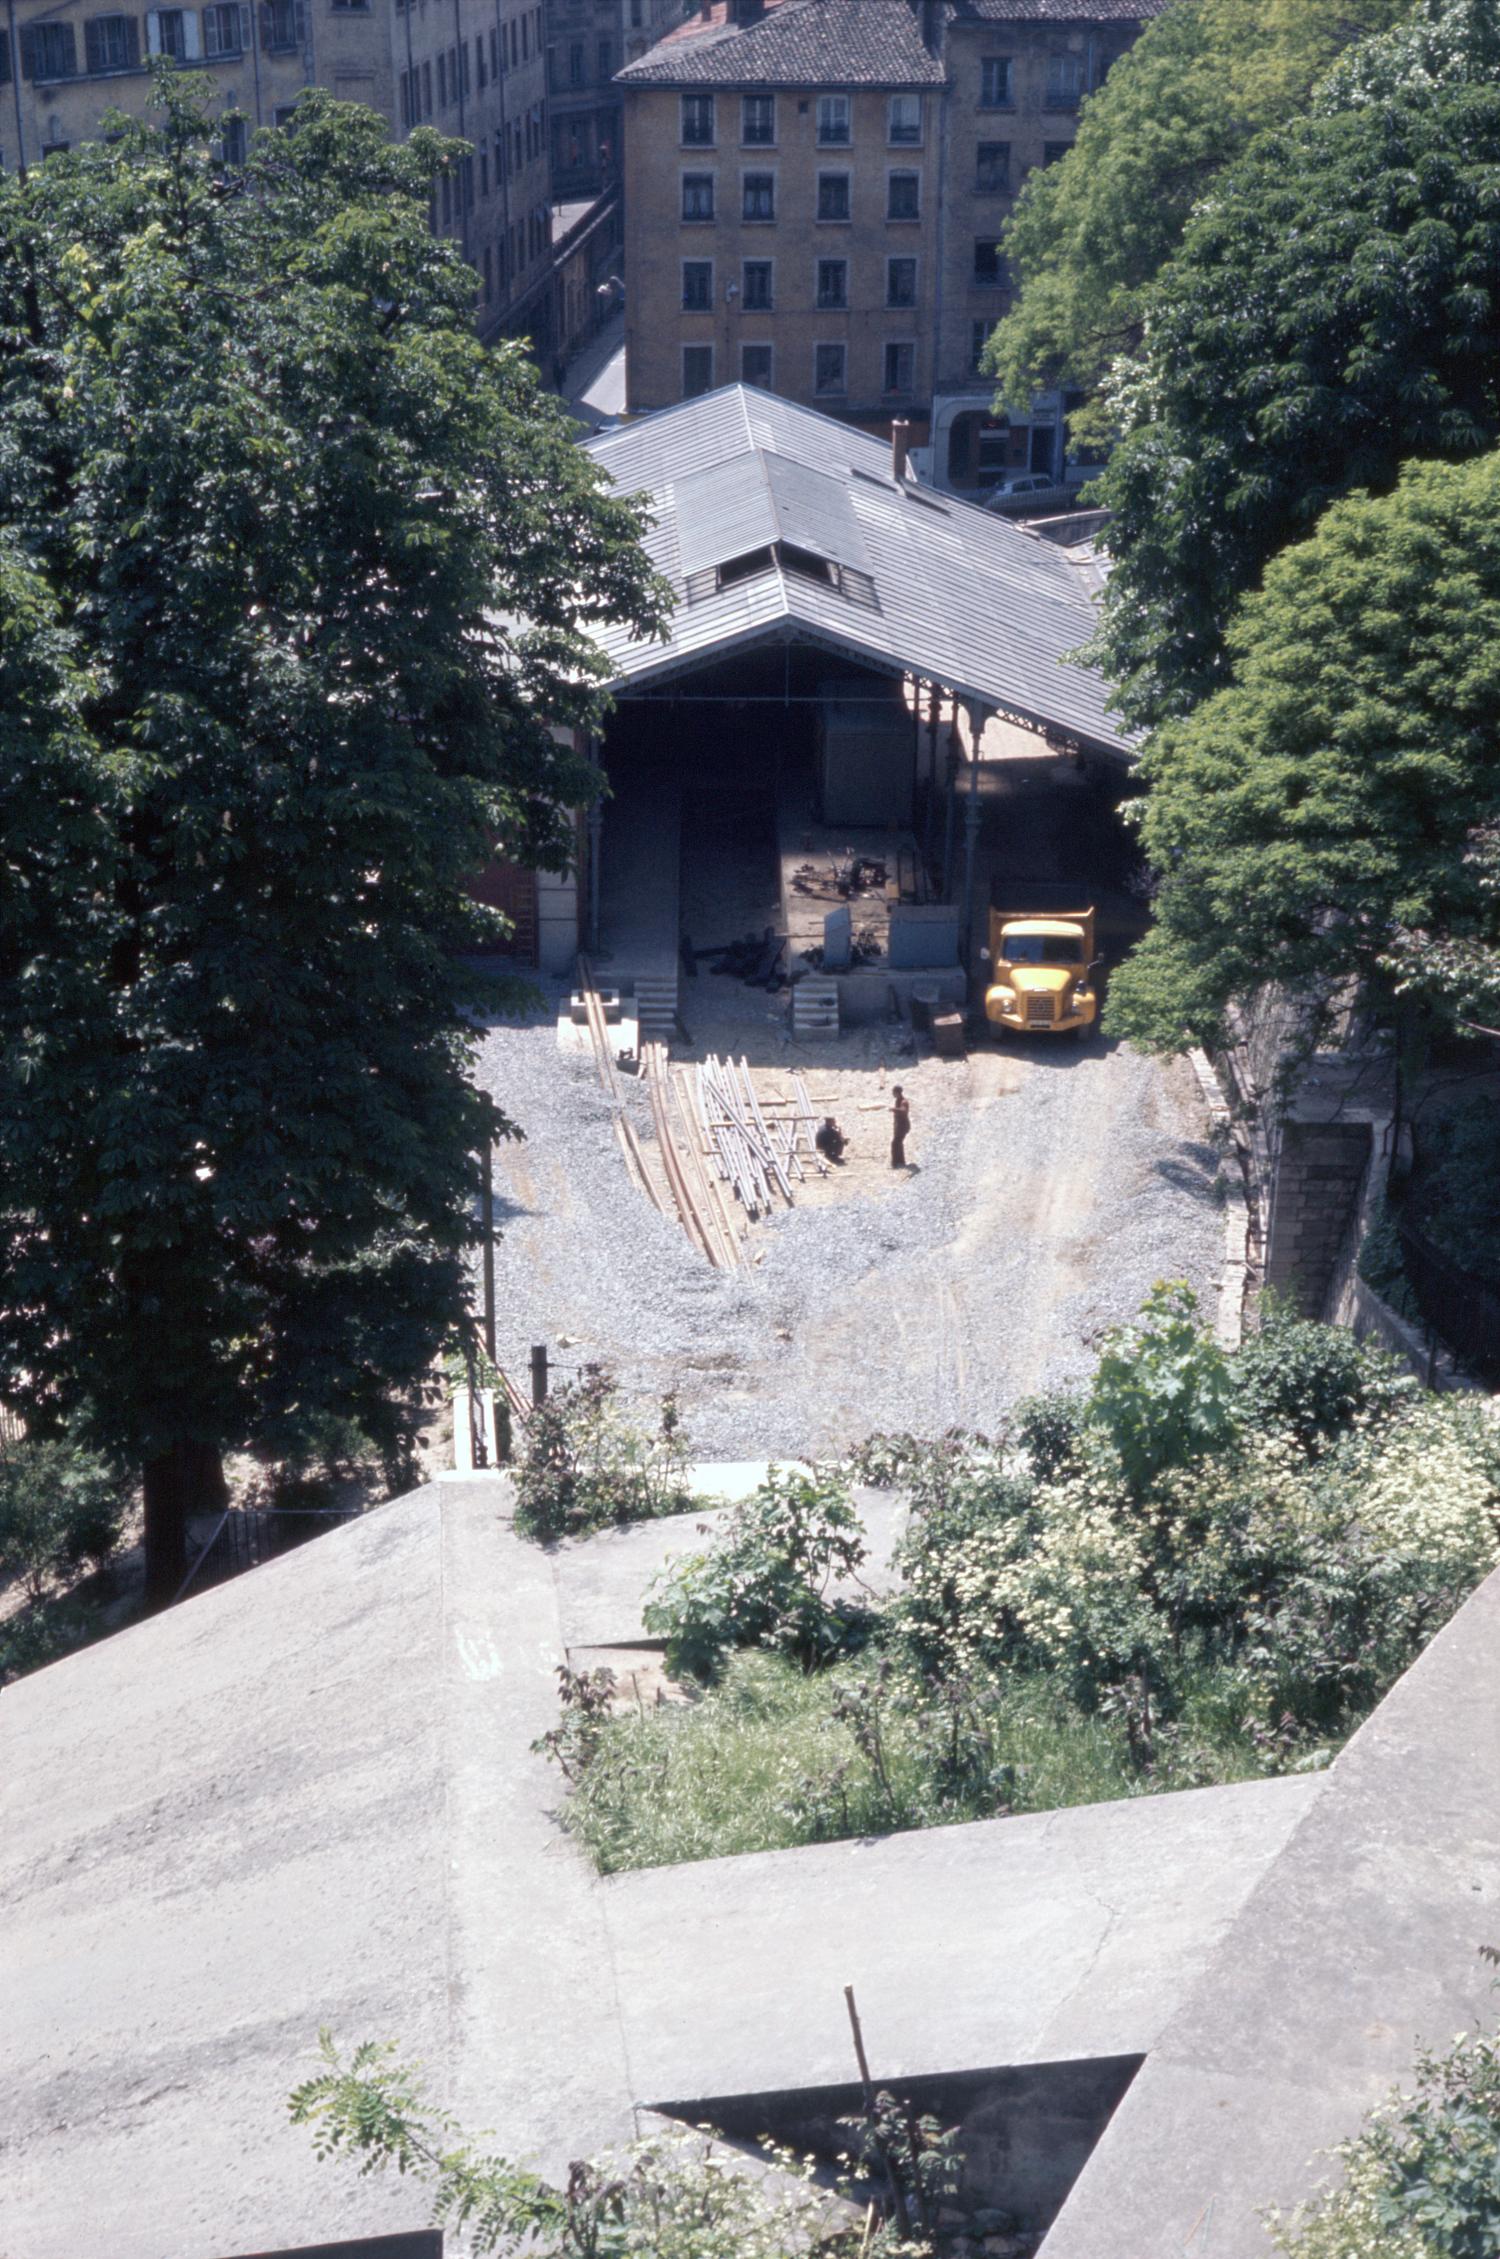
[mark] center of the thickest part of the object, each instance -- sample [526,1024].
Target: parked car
[1010,491]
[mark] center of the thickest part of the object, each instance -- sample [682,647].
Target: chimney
[900,447]
[746,11]
[930,17]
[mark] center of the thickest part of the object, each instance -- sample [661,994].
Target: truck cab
[1042,962]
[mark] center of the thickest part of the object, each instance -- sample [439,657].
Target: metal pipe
[971,832]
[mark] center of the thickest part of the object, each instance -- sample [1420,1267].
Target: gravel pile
[1034,1220]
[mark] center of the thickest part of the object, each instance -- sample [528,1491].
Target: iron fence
[1462,1311]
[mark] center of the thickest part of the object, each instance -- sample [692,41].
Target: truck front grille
[1039,1009]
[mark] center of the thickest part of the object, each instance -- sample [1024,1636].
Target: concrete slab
[1358,1945]
[309,1797]
[1029,1940]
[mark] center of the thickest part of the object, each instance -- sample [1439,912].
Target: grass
[764,1761]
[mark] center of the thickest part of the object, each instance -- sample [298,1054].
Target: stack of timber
[758,1159]
[701,1209]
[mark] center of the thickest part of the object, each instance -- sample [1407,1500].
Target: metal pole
[596,833]
[539,1372]
[971,832]
[487,1207]
[949,798]
[15,80]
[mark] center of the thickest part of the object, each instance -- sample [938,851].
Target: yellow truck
[1041,960]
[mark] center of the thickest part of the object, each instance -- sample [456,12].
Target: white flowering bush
[1103,1599]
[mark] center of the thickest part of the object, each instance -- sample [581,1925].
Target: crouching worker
[830,1140]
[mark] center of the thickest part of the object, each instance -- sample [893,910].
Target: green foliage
[1162,1390]
[1454,970]
[766,1581]
[1217,1573]
[1382,1264]
[375,2110]
[585,1466]
[671,2197]
[296,583]
[1090,233]
[1332,312]
[60,1507]
[37,1636]
[1458,1192]
[1311,1380]
[1322,801]
[1419,2182]
[770,1760]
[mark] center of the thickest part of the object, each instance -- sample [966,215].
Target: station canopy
[775,524]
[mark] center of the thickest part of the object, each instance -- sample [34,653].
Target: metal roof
[960,595]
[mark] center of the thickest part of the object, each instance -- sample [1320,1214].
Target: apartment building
[814,197]
[475,69]
[588,41]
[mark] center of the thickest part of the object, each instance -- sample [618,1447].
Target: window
[427,89]
[989,267]
[979,337]
[173,32]
[833,196]
[278,26]
[223,33]
[905,123]
[697,285]
[992,168]
[899,374]
[756,296]
[697,370]
[901,282]
[994,82]
[483,82]
[236,141]
[903,196]
[829,363]
[758,196]
[697,196]
[1064,81]
[606,61]
[576,66]
[1054,151]
[698,121]
[756,363]
[833,121]
[494,51]
[48,51]
[833,284]
[442,63]
[111,43]
[758,121]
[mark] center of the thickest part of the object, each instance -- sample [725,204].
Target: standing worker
[900,1126]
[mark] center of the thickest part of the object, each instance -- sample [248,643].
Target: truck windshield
[1043,949]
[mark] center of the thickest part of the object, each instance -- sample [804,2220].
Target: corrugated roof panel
[964,595]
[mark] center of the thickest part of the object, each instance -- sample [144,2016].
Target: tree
[1090,233]
[1333,312]
[59,1507]
[296,579]
[1322,803]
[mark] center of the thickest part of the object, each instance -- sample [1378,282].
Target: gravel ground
[1052,1187]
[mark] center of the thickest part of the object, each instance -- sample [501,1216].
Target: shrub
[1459,1196]
[1312,1379]
[767,1579]
[1049,1429]
[60,1508]
[1420,2180]
[1162,1392]
[674,2196]
[584,1466]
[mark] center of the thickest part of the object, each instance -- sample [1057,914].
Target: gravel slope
[1051,1191]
